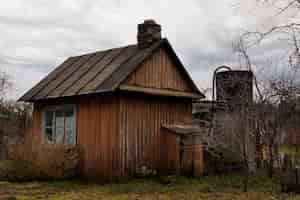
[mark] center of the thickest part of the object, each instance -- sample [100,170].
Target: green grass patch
[220,187]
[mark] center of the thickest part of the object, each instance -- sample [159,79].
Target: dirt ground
[223,187]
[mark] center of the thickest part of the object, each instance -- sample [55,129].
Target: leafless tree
[271,91]
[5,84]
[286,5]
[231,131]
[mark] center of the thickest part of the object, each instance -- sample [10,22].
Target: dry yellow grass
[210,188]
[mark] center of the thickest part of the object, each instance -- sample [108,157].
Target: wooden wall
[119,134]
[97,134]
[141,118]
[122,133]
[170,156]
[159,72]
[183,155]
[36,130]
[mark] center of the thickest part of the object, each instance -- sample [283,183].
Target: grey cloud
[38,35]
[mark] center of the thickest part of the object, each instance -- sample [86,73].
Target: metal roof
[97,72]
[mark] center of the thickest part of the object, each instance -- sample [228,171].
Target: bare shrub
[5,84]
[35,161]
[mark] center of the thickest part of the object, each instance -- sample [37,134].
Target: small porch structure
[183,153]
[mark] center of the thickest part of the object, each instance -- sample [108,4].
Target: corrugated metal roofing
[97,72]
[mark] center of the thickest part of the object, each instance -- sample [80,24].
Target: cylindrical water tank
[235,87]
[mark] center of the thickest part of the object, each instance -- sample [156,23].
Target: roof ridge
[140,57]
[120,64]
[103,51]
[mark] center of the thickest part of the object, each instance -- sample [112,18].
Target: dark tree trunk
[271,162]
[245,181]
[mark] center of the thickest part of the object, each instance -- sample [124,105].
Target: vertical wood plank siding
[159,72]
[36,129]
[140,127]
[98,135]
[120,133]
[170,156]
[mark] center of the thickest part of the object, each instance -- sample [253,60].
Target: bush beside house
[40,162]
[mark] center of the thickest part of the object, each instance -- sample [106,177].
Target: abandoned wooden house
[117,104]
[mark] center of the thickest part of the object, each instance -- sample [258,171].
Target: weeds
[221,187]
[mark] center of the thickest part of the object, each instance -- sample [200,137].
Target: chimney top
[148,33]
[149,21]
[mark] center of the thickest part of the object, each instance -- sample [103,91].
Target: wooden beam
[160,92]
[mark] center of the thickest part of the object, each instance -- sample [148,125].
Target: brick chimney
[148,33]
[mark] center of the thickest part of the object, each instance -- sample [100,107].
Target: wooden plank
[37,122]
[147,75]
[159,92]
[198,161]
[143,114]
[97,121]
[80,78]
[122,135]
[127,68]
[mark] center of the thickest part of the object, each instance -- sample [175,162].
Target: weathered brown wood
[98,134]
[142,129]
[159,92]
[183,152]
[160,65]
[121,132]
[170,162]
[37,122]
[155,66]
[116,78]
[198,161]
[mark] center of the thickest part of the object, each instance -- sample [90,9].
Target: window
[60,125]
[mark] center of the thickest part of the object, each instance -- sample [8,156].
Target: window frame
[55,108]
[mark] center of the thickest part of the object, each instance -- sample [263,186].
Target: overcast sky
[37,35]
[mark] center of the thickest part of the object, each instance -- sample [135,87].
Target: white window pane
[59,135]
[68,136]
[69,121]
[59,119]
[69,127]
[60,125]
[73,138]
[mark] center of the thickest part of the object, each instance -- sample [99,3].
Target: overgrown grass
[223,187]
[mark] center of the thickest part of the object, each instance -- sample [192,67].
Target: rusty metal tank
[234,87]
